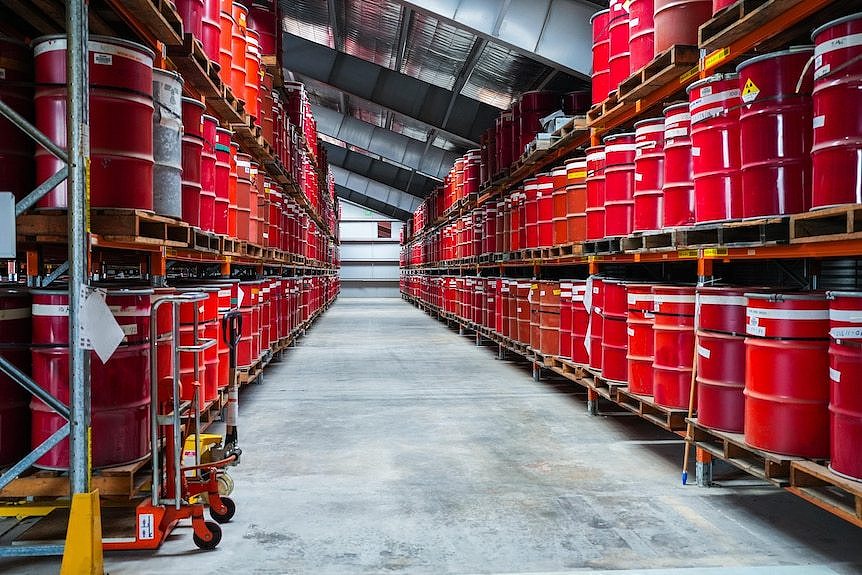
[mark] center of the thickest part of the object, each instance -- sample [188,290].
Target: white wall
[369,265]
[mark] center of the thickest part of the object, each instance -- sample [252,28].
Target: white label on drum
[131,329]
[703,352]
[818,61]
[630,331]
[835,375]
[819,121]
[519,310]
[648,315]
[633,22]
[822,71]
[846,332]
[2,73]
[695,151]
[755,330]
[706,91]
[675,133]
[103,59]
[639,177]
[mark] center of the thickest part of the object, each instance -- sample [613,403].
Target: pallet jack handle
[231,333]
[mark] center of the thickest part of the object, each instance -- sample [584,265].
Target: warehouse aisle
[387,443]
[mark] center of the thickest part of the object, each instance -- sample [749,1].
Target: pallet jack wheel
[225,484]
[215,531]
[228,514]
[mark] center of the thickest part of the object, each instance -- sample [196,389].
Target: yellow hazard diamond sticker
[750,91]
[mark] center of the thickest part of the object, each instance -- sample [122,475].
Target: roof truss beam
[388,174]
[369,188]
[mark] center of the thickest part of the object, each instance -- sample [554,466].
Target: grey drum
[167,143]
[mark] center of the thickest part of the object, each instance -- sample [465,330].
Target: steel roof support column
[78,138]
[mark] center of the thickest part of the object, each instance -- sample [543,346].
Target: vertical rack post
[78,139]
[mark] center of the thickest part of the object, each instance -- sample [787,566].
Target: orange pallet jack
[174,495]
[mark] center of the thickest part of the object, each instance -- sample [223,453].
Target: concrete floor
[387,443]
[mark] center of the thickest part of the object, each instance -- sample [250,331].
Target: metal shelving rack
[87,247]
[760,25]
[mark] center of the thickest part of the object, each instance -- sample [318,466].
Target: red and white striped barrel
[845,373]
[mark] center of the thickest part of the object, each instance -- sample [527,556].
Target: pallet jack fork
[174,495]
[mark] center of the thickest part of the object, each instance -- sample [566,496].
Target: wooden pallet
[731,447]
[602,246]
[204,241]
[602,109]
[230,246]
[566,250]
[575,125]
[160,17]
[645,406]
[250,373]
[828,224]
[739,20]
[751,232]
[666,67]
[119,481]
[118,225]
[819,485]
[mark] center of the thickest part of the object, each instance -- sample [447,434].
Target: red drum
[549,318]
[210,30]
[714,106]
[522,312]
[580,324]
[786,374]
[561,229]
[252,73]
[721,358]
[836,155]
[649,175]
[545,210]
[121,86]
[120,413]
[238,48]
[191,13]
[641,34]
[673,340]
[614,335]
[566,309]
[678,185]
[619,184]
[639,329]
[845,373]
[531,211]
[618,33]
[15,341]
[263,19]
[225,51]
[193,145]
[595,184]
[208,175]
[532,107]
[596,322]
[601,54]
[774,130]
[677,21]
[576,199]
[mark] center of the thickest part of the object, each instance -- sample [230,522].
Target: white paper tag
[819,121]
[703,352]
[835,375]
[846,332]
[639,177]
[100,330]
[103,59]
[821,71]
[630,331]
[695,151]
[240,296]
[755,330]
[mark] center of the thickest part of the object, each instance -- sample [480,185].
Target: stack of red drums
[193,145]
[618,35]
[677,177]
[199,370]
[560,226]
[787,374]
[549,318]
[576,199]
[601,81]
[120,387]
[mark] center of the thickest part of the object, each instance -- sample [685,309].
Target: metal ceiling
[401,88]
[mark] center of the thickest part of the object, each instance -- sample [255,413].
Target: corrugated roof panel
[307,19]
[435,51]
[371,29]
[500,74]
[367,112]
[320,93]
[406,127]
